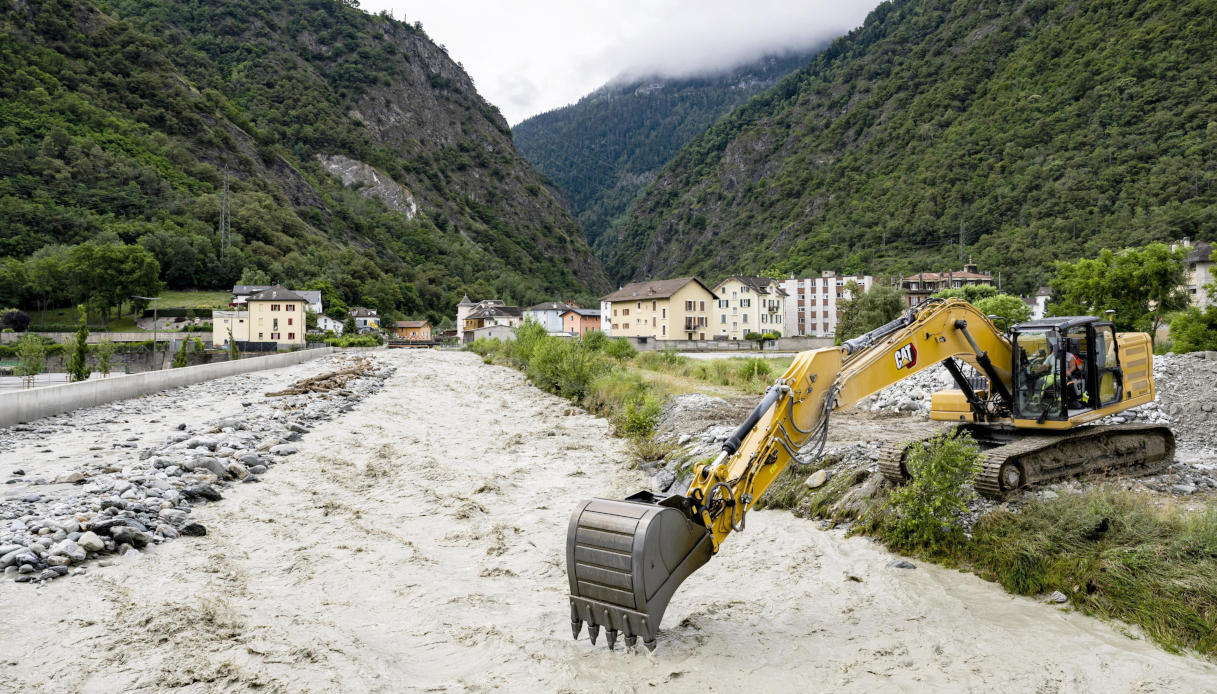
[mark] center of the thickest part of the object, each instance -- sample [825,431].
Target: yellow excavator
[1039,383]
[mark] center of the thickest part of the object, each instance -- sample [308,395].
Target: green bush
[595,341]
[1194,330]
[484,347]
[104,352]
[620,349]
[754,369]
[664,360]
[641,417]
[564,367]
[366,340]
[529,335]
[924,513]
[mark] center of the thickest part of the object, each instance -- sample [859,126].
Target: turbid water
[416,543]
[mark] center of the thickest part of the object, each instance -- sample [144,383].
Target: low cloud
[531,57]
[716,35]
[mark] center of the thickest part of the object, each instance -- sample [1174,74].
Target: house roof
[411,324]
[313,296]
[1201,253]
[937,276]
[654,289]
[1044,291]
[247,289]
[465,301]
[276,293]
[549,306]
[585,312]
[361,312]
[760,285]
[492,311]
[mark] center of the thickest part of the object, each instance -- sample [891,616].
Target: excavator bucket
[625,559]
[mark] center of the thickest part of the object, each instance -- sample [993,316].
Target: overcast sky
[532,56]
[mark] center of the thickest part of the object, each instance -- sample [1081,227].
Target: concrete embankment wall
[26,405]
[783,344]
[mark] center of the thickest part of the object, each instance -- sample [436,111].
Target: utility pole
[225,218]
[153,299]
[961,258]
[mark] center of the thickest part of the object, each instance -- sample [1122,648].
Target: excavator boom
[625,558]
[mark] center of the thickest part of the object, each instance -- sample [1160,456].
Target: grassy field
[68,316]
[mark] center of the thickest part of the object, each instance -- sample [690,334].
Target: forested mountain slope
[119,125]
[603,150]
[1039,130]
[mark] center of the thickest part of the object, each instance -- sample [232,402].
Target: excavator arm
[625,559]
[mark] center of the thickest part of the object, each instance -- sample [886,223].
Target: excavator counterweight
[1038,385]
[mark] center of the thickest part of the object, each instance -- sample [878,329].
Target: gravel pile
[54,525]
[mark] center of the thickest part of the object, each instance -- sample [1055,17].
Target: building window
[292,336]
[259,336]
[703,306]
[663,330]
[652,305]
[625,312]
[291,307]
[639,306]
[723,316]
[663,313]
[274,307]
[745,318]
[289,321]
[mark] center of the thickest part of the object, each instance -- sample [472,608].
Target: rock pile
[105,508]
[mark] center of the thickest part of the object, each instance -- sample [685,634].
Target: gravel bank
[128,492]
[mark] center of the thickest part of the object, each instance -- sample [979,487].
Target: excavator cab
[1064,368]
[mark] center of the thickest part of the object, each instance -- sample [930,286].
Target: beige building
[1199,269]
[748,305]
[275,315]
[676,309]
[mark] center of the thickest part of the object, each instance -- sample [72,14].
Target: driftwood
[327,382]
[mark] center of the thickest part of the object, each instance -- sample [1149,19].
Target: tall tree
[1141,285]
[78,363]
[867,310]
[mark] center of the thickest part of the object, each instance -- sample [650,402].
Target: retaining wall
[783,344]
[26,405]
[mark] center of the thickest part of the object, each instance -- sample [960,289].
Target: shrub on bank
[925,514]
[367,340]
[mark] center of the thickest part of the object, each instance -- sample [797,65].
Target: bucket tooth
[576,625]
[650,645]
[630,640]
[593,630]
[612,638]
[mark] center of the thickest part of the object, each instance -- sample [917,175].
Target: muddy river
[416,543]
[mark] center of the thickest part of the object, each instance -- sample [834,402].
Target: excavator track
[1038,459]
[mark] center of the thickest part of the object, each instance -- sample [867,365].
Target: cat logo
[906,357]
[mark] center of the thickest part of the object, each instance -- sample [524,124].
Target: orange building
[412,330]
[580,320]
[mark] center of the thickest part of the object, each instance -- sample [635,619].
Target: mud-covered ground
[416,543]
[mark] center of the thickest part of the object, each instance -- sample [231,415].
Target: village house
[412,330]
[242,292]
[1198,267]
[365,318]
[746,305]
[578,321]
[548,314]
[675,309]
[495,315]
[1039,304]
[812,302]
[325,323]
[919,287]
[274,319]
